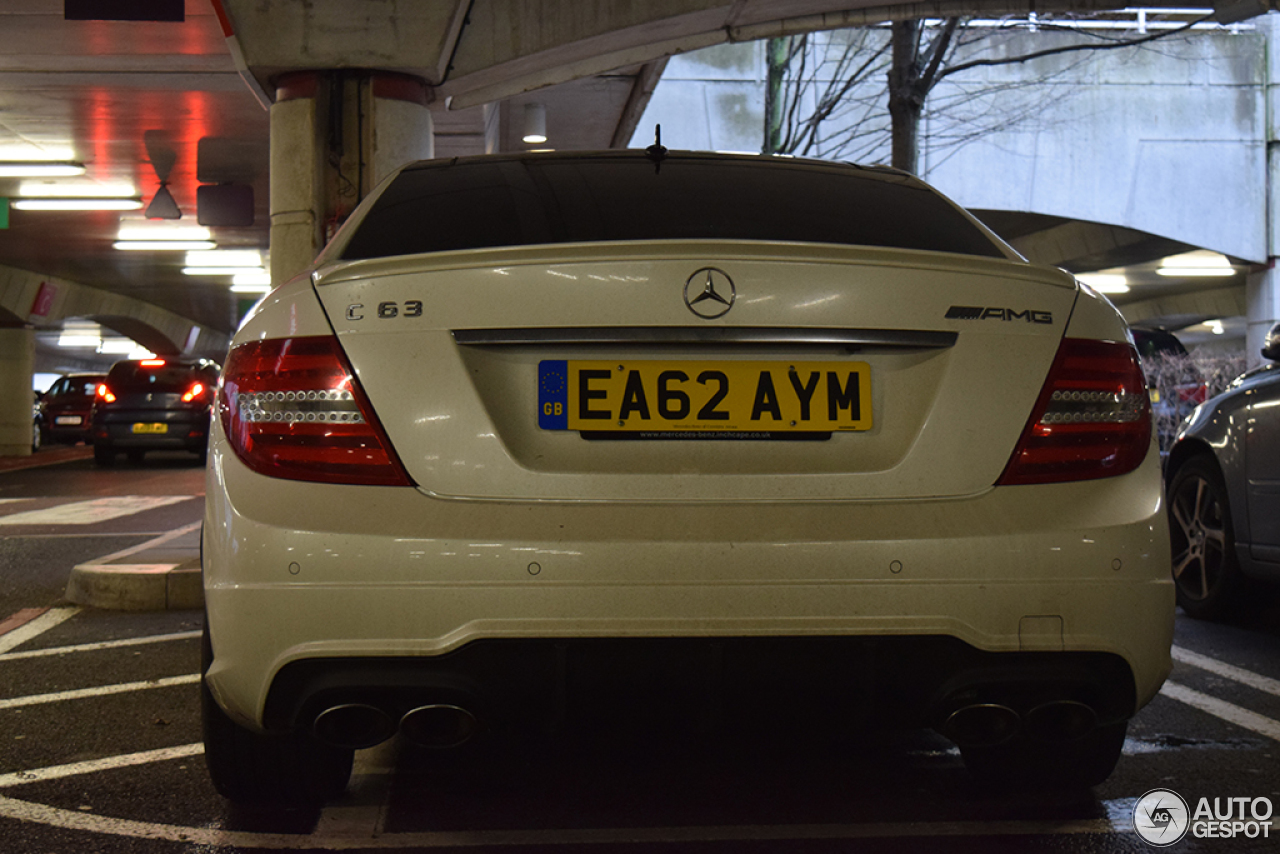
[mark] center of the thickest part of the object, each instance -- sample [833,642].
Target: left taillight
[1092,419]
[291,408]
[197,391]
[103,394]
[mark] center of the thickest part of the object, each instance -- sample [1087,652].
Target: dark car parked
[63,412]
[153,405]
[1224,491]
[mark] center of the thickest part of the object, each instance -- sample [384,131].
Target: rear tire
[1029,763]
[1205,571]
[255,769]
[103,455]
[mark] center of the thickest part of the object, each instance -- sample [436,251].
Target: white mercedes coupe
[646,439]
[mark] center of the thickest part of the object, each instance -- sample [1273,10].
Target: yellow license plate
[704,396]
[151,428]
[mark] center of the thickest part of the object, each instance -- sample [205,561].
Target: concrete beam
[1219,302]
[46,300]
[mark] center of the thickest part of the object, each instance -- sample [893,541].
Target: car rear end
[158,404]
[549,442]
[66,408]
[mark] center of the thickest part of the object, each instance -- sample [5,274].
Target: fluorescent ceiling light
[250,289]
[79,339]
[163,245]
[1199,263]
[225,258]
[39,169]
[77,189]
[135,229]
[117,346]
[72,204]
[252,277]
[213,271]
[1106,283]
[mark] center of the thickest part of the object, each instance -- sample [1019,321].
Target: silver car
[1224,491]
[654,439]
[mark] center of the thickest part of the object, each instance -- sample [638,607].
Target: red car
[63,411]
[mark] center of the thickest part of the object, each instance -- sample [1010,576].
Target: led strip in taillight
[291,408]
[1092,419]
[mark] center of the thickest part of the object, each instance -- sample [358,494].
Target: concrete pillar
[17,362]
[1263,290]
[334,136]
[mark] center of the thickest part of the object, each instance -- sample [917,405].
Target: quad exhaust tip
[440,726]
[990,724]
[982,725]
[353,725]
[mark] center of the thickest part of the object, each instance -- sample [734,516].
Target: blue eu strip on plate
[553,394]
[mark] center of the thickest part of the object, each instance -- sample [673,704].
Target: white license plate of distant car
[150,428]
[723,398]
[68,420]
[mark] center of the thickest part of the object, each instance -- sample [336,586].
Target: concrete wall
[1169,138]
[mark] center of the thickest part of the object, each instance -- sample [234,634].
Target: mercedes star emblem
[709,293]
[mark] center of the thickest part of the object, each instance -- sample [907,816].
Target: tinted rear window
[133,378]
[478,204]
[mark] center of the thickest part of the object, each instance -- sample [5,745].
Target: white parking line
[94,647]
[92,766]
[213,837]
[102,691]
[36,627]
[1228,671]
[92,512]
[1228,712]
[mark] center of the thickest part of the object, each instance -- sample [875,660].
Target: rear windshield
[476,204]
[78,386]
[135,378]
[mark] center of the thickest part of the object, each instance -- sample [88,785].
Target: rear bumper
[907,603]
[183,431]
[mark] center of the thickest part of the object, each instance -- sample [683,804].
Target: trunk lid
[463,356]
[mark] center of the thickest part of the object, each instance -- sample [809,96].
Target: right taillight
[291,408]
[1092,419]
[104,394]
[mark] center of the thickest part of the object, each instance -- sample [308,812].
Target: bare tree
[829,100]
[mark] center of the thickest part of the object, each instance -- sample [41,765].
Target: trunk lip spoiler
[905,338]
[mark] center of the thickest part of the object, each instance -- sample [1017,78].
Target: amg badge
[972,312]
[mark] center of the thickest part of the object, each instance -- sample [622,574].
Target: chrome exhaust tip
[981,725]
[439,726]
[353,725]
[1061,720]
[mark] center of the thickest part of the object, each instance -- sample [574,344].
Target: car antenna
[656,152]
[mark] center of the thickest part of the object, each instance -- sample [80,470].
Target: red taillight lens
[104,394]
[291,408]
[197,390]
[1093,417]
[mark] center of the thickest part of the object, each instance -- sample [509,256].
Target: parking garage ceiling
[147,104]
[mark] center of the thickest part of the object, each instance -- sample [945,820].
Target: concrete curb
[137,587]
[161,574]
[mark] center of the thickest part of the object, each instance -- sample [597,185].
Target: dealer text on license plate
[705,397]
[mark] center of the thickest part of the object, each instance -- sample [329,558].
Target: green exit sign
[4,212]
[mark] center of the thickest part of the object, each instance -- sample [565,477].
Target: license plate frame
[704,398]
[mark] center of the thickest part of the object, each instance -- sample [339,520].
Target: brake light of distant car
[104,394]
[291,408]
[1092,419]
[152,363]
[197,390]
